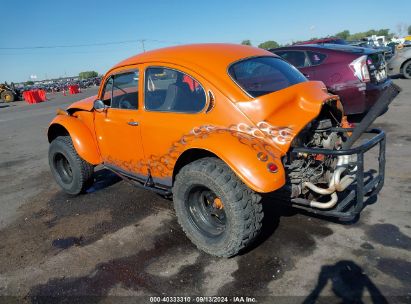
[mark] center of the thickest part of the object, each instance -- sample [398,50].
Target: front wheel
[406,70]
[216,210]
[70,171]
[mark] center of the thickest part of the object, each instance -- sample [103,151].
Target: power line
[87,44]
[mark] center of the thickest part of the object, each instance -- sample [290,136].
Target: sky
[53,39]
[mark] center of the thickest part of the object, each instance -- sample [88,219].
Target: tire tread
[246,205]
[86,169]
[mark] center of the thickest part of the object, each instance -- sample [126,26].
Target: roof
[210,61]
[329,46]
[198,54]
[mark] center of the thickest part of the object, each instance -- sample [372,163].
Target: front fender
[247,156]
[83,141]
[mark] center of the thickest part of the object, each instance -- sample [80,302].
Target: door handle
[133,123]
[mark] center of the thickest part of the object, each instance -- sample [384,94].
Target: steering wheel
[124,104]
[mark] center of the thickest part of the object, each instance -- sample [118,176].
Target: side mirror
[99,105]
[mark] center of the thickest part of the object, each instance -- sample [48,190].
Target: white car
[400,63]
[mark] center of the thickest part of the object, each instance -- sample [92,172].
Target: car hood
[283,114]
[86,104]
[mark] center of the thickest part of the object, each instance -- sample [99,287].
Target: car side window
[296,58]
[168,90]
[125,91]
[107,92]
[316,58]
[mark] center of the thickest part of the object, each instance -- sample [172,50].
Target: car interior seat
[178,97]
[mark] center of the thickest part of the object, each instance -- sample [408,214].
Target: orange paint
[247,133]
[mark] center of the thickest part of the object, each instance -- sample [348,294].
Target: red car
[334,40]
[357,75]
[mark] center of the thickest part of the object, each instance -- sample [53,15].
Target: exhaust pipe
[336,183]
[382,103]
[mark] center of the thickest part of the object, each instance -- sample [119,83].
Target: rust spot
[218,203]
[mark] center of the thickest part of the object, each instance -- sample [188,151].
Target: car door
[117,127]
[174,103]
[317,65]
[300,60]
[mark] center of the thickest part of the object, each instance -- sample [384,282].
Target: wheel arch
[56,130]
[188,156]
[247,167]
[404,63]
[83,141]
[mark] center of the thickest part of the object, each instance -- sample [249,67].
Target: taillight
[360,68]
[273,168]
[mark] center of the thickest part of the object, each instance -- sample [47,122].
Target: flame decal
[262,139]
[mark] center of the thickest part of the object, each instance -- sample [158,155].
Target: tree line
[87,74]
[346,35]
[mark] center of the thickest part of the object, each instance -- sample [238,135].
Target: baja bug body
[216,127]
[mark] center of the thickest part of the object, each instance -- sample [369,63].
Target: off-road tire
[81,171]
[242,207]
[406,69]
[7,96]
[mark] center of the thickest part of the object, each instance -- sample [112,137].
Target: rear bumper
[352,201]
[359,98]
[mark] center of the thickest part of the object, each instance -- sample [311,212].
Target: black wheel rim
[206,212]
[63,168]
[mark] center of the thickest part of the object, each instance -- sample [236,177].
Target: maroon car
[357,75]
[333,40]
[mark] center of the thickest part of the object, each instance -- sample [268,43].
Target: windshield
[263,75]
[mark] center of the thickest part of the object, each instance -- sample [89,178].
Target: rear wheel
[216,210]
[7,96]
[406,70]
[70,171]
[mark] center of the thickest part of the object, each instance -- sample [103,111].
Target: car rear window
[263,75]
[344,48]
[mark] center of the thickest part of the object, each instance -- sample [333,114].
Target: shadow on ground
[349,283]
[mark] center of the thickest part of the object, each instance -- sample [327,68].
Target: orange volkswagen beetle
[216,127]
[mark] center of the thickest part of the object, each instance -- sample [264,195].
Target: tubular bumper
[353,202]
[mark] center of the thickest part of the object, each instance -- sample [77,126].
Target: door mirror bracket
[99,105]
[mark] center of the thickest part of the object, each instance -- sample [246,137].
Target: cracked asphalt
[121,243]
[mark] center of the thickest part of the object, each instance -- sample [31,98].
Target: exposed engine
[318,177]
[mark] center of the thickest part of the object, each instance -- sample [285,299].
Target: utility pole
[142,45]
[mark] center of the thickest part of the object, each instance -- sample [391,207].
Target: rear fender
[83,141]
[247,156]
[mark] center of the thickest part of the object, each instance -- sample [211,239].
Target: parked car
[332,40]
[357,75]
[376,45]
[221,127]
[400,63]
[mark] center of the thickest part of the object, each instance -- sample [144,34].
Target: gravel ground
[118,240]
